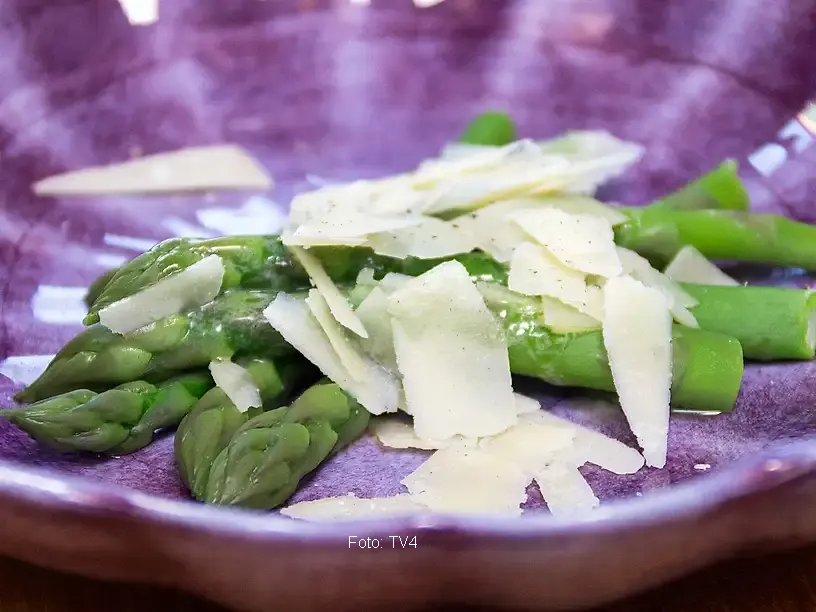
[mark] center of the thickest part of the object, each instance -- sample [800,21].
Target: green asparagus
[267,456]
[231,325]
[116,422]
[659,233]
[490,128]
[706,371]
[770,322]
[96,288]
[209,426]
[719,189]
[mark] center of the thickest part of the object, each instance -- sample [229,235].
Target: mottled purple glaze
[341,91]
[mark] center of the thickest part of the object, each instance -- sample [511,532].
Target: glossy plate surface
[323,90]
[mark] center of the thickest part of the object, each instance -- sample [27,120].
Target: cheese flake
[190,288]
[452,354]
[637,335]
[582,242]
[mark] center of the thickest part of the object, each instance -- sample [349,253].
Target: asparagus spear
[268,455]
[707,366]
[770,322]
[720,235]
[231,325]
[96,288]
[209,426]
[489,128]
[720,189]
[116,422]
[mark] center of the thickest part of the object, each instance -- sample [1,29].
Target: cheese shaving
[637,335]
[291,317]
[679,301]
[564,319]
[194,286]
[237,383]
[191,169]
[582,242]
[373,312]
[395,433]
[565,490]
[337,302]
[351,359]
[431,239]
[470,481]
[452,355]
[691,266]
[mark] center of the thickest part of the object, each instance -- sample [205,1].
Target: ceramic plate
[326,91]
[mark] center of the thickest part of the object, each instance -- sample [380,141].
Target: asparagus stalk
[659,233]
[490,128]
[269,454]
[116,422]
[770,322]
[211,423]
[707,367]
[231,325]
[719,189]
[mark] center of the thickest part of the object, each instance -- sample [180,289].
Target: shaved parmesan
[493,229]
[348,355]
[679,301]
[583,242]
[373,312]
[291,317]
[337,302]
[565,490]
[564,319]
[691,266]
[590,446]
[346,229]
[452,355]
[349,507]
[637,335]
[577,205]
[431,239]
[395,433]
[192,169]
[531,444]
[525,405]
[469,480]
[535,271]
[192,287]
[237,383]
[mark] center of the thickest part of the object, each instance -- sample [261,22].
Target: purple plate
[323,90]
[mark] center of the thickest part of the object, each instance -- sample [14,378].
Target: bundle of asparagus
[106,392]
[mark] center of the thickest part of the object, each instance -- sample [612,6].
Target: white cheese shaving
[637,335]
[351,359]
[346,228]
[237,383]
[350,507]
[583,242]
[431,239]
[691,266]
[493,229]
[373,312]
[192,287]
[590,446]
[291,317]
[469,480]
[452,354]
[525,405]
[679,301]
[532,444]
[564,319]
[338,304]
[565,490]
[578,205]
[535,271]
[192,169]
[396,433]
